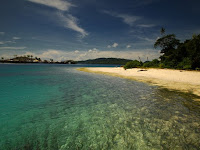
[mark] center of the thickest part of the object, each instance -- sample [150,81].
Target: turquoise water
[55,107]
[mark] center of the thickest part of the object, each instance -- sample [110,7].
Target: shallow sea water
[56,107]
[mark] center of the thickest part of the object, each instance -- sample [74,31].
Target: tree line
[174,54]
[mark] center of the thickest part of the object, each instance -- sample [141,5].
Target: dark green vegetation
[31,59]
[179,55]
[113,61]
[133,64]
[21,59]
[137,64]
[154,63]
[175,55]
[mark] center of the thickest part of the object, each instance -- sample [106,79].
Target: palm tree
[31,58]
[162,31]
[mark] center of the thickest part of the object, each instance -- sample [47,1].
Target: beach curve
[180,80]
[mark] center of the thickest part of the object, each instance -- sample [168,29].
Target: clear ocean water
[56,107]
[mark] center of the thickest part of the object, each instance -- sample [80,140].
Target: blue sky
[87,29]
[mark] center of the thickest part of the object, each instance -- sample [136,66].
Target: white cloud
[50,54]
[58,4]
[76,51]
[128,19]
[4,42]
[2,33]
[12,48]
[67,21]
[10,42]
[114,45]
[157,38]
[151,41]
[128,46]
[16,38]
[109,46]
[146,25]
[94,50]
[71,22]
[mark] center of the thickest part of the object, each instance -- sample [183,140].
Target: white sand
[186,81]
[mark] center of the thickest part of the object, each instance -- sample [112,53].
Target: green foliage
[161,65]
[193,49]
[152,64]
[133,64]
[167,43]
[185,64]
[197,69]
[179,55]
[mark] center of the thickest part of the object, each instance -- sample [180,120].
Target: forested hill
[115,61]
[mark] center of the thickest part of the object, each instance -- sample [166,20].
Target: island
[31,59]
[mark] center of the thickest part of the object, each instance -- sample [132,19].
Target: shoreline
[179,80]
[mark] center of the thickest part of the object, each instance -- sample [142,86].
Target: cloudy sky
[87,29]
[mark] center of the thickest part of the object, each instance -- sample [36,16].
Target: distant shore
[181,80]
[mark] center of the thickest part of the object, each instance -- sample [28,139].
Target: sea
[57,107]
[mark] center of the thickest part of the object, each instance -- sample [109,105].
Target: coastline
[179,80]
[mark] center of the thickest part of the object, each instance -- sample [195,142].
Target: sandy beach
[184,81]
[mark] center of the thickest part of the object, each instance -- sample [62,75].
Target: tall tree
[168,44]
[193,49]
[162,31]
